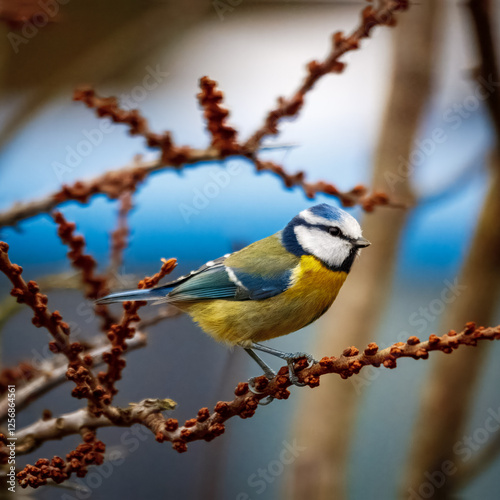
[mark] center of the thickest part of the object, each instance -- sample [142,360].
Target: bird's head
[328,233]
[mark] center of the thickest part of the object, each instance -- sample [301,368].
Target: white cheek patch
[329,249]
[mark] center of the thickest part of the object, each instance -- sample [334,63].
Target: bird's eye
[334,231]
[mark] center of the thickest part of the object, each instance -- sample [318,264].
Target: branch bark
[33,436]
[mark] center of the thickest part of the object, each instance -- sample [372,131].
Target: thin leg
[289,357]
[268,371]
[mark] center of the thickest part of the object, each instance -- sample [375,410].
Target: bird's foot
[291,359]
[252,387]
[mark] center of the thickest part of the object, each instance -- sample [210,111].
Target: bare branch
[78,369]
[208,425]
[119,235]
[287,108]
[31,437]
[114,183]
[53,374]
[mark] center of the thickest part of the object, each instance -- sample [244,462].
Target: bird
[270,288]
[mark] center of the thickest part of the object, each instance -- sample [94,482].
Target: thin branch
[287,108]
[33,436]
[125,329]
[114,183]
[208,425]
[119,236]
[223,136]
[53,374]
[78,367]
[358,195]
[94,286]
[90,452]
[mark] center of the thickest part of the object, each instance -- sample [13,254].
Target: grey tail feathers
[159,294]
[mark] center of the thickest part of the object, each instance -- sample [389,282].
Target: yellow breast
[314,288]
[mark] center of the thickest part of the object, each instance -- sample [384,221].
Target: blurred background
[410,116]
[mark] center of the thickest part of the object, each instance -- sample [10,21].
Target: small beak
[362,242]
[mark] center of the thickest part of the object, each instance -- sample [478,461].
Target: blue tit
[270,288]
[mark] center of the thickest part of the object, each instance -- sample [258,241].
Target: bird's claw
[252,388]
[291,359]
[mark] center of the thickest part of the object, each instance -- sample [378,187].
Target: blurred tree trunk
[447,399]
[324,423]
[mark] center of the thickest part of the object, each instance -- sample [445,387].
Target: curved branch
[114,182]
[33,436]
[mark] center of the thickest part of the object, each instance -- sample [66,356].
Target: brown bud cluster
[94,286]
[118,333]
[223,137]
[90,452]
[109,107]
[17,375]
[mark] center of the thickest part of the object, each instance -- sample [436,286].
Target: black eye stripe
[338,234]
[325,228]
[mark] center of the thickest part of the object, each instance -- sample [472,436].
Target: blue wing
[258,271]
[217,281]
